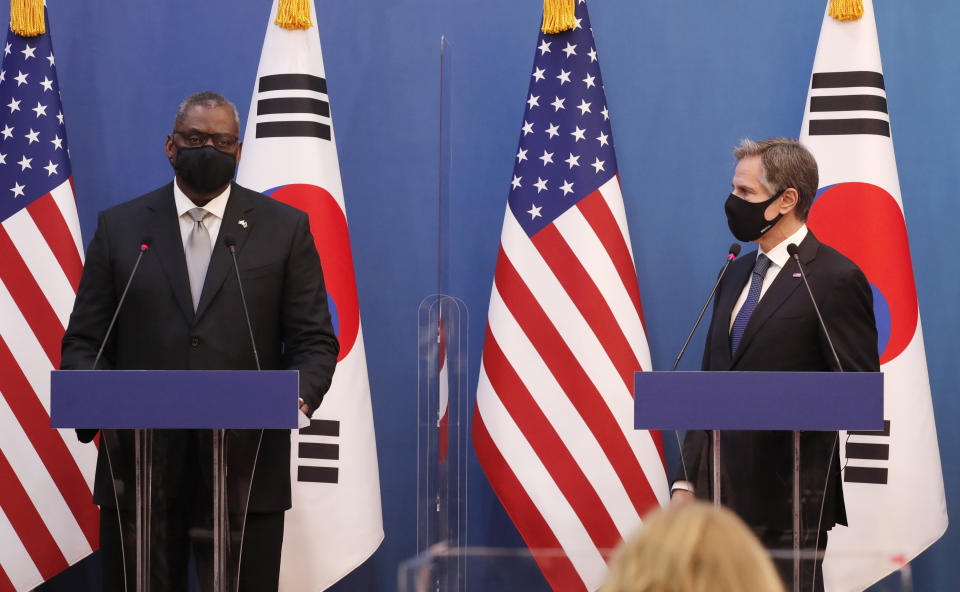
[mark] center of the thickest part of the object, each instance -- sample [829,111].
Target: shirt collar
[215,206]
[778,255]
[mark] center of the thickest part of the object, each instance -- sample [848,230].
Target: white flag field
[289,153]
[893,481]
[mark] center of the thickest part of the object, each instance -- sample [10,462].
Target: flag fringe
[26,18]
[293,14]
[558,16]
[846,10]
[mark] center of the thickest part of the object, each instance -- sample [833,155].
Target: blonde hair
[692,547]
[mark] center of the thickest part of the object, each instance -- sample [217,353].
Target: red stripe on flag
[558,569]
[550,449]
[51,448]
[30,299]
[578,284]
[598,215]
[575,383]
[46,215]
[26,521]
[5,583]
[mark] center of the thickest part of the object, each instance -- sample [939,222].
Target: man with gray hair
[763,320]
[184,311]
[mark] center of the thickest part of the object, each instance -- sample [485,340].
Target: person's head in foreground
[692,547]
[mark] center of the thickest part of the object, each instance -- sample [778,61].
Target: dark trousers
[172,538]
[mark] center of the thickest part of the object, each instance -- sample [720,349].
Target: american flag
[47,520]
[553,427]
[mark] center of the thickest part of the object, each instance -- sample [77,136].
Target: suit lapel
[782,287]
[739,273]
[221,262]
[168,246]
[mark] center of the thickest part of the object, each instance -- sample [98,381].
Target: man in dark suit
[763,320]
[184,312]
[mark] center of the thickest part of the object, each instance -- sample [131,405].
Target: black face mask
[746,219]
[205,168]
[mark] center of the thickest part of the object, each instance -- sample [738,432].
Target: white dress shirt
[778,257]
[215,206]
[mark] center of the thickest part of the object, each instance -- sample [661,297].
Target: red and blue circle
[866,224]
[332,238]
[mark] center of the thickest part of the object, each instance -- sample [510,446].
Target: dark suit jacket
[158,329]
[783,334]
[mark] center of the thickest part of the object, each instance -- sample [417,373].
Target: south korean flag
[892,479]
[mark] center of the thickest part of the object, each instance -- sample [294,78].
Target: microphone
[144,247]
[231,243]
[794,251]
[731,255]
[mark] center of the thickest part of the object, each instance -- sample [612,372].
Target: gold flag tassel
[293,14]
[558,15]
[846,10]
[26,18]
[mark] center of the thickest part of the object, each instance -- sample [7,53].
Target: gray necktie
[198,253]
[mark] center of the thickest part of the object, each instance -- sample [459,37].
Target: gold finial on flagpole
[846,10]
[558,16]
[293,14]
[26,18]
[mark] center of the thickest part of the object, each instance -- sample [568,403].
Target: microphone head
[734,250]
[229,241]
[145,243]
[793,249]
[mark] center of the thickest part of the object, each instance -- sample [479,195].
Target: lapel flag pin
[796,274]
[244,224]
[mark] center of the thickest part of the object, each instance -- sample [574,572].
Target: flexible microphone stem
[731,255]
[794,252]
[144,247]
[243,299]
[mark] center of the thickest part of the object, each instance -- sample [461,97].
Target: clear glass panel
[442,433]
[181,500]
[443,402]
[516,569]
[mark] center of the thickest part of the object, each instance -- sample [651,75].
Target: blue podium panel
[171,399]
[758,400]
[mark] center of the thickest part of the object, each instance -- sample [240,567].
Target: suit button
[194,341]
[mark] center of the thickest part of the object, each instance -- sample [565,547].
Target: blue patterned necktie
[753,296]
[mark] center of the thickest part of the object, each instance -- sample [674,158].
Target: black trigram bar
[847,103]
[322,451]
[287,129]
[840,127]
[317,474]
[844,79]
[885,432]
[862,450]
[869,475]
[292,82]
[293,105]
[321,427]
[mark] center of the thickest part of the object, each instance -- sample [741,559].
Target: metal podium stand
[789,401]
[150,402]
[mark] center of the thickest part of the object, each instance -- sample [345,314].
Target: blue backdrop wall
[684,80]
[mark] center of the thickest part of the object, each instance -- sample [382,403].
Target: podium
[787,401]
[177,447]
